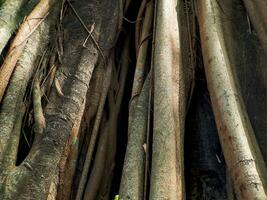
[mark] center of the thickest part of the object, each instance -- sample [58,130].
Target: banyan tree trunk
[170,101]
[133,100]
[32,178]
[239,144]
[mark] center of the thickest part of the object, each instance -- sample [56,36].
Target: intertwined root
[77,75]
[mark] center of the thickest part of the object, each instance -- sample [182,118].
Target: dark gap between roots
[205,171]
[122,131]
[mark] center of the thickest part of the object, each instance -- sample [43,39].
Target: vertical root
[240,148]
[132,181]
[39,119]
[94,181]
[87,163]
[167,172]
[138,26]
[10,156]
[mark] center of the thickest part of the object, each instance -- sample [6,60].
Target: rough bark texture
[73,77]
[23,72]
[83,81]
[132,182]
[14,98]
[170,94]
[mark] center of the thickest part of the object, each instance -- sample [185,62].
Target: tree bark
[238,141]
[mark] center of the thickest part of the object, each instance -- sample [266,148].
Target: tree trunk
[121,99]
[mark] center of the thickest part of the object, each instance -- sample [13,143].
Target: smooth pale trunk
[167,173]
[240,148]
